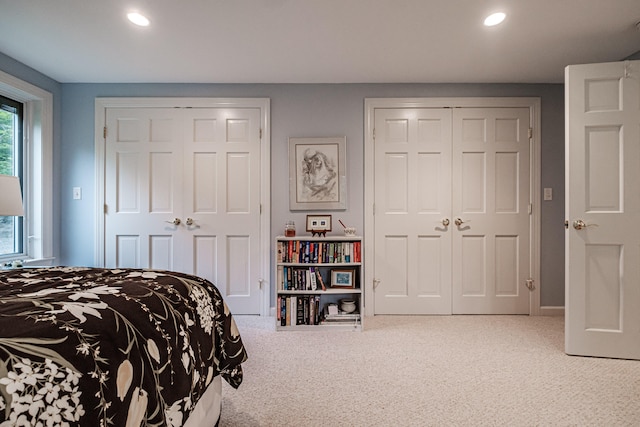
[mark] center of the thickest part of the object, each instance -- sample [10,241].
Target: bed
[114,347]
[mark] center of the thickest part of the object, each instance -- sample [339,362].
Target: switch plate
[77,193]
[548,193]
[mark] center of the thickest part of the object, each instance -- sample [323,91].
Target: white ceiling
[316,41]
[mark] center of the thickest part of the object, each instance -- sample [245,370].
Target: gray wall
[298,111]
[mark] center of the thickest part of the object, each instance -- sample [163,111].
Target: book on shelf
[332,315]
[324,288]
[287,312]
[313,278]
[301,251]
[299,310]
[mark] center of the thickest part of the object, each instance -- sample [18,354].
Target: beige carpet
[428,371]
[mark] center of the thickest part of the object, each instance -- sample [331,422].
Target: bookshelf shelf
[315,278]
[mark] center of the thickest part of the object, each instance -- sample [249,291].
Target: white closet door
[412,211]
[491,196]
[603,210]
[200,167]
[222,199]
[436,166]
[143,178]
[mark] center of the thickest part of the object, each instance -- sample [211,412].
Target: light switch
[548,193]
[77,193]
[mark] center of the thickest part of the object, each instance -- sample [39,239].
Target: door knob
[446,222]
[189,221]
[579,224]
[176,221]
[459,222]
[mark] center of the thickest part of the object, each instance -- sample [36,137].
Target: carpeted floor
[428,371]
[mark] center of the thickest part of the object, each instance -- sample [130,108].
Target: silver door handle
[579,224]
[176,221]
[459,221]
[445,222]
[189,221]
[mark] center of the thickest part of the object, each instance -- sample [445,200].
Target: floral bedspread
[100,347]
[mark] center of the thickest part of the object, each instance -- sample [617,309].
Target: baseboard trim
[551,311]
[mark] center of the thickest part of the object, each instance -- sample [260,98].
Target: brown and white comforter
[110,347]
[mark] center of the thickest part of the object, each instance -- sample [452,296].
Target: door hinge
[104,132]
[374,134]
[530,284]
[530,208]
[530,133]
[260,133]
[105,209]
[566,223]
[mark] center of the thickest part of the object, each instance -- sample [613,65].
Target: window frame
[18,170]
[37,174]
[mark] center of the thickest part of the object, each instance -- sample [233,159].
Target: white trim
[371,104]
[38,179]
[101,105]
[551,311]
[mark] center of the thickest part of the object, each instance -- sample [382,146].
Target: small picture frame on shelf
[318,224]
[342,279]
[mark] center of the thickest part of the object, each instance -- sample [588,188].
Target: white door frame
[371,104]
[101,104]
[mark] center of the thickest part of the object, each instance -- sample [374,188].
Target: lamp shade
[10,196]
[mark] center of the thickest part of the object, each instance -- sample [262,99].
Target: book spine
[293,308]
[312,310]
[287,311]
[319,275]
[313,279]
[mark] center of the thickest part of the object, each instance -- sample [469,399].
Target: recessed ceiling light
[138,19]
[494,19]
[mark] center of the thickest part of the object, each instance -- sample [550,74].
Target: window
[32,161]
[11,148]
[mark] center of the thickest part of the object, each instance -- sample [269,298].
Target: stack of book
[332,315]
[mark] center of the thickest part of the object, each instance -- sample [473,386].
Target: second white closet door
[452,194]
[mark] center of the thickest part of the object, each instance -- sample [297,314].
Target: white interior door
[491,209]
[413,205]
[200,166]
[452,216]
[222,198]
[603,210]
[144,188]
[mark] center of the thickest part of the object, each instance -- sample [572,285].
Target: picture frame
[317,174]
[342,278]
[318,224]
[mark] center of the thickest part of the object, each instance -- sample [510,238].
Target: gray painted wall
[297,110]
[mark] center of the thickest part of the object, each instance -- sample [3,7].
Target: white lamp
[10,196]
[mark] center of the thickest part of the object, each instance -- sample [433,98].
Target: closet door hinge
[260,133]
[530,133]
[104,132]
[374,134]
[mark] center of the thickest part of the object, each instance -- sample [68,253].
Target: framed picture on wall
[317,174]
